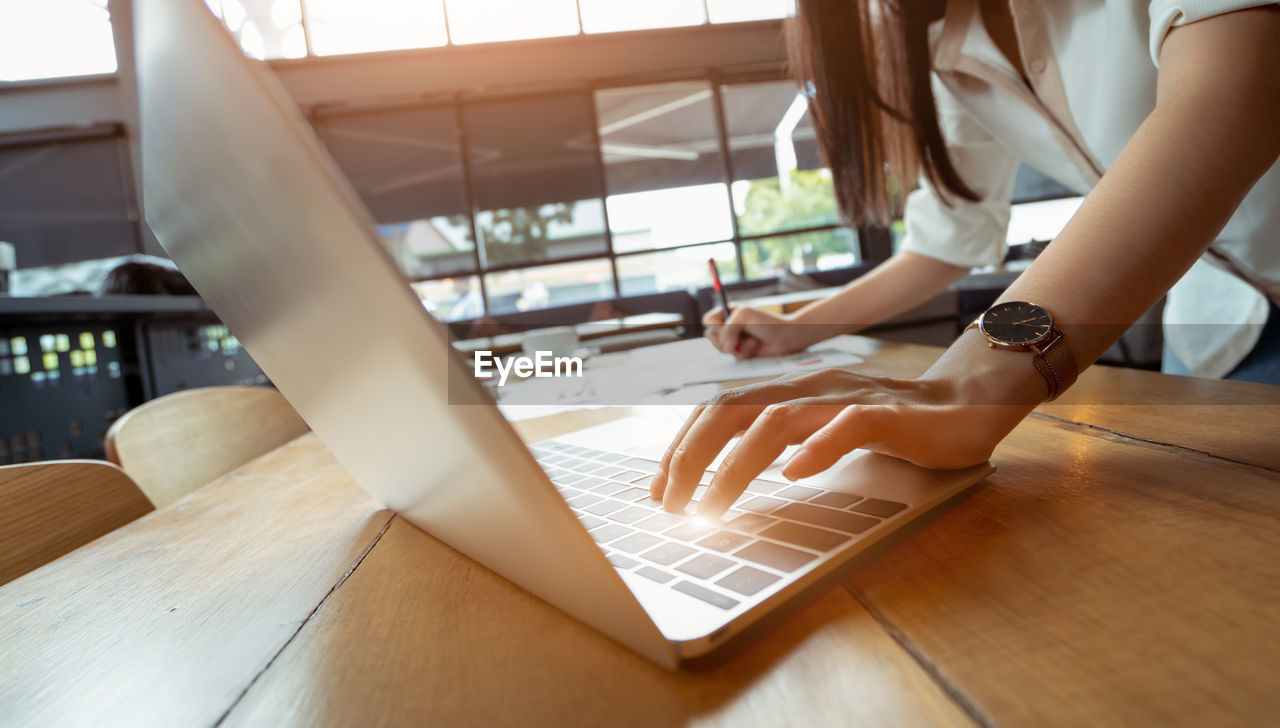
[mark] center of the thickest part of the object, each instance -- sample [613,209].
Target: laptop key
[690,530]
[606,471]
[627,476]
[582,501]
[636,542]
[604,507]
[826,517]
[715,599]
[622,562]
[590,522]
[645,464]
[630,514]
[668,553]
[569,478]
[797,492]
[761,504]
[592,453]
[610,532]
[659,522]
[609,488]
[763,487]
[724,541]
[879,508]
[750,522]
[805,536]
[653,572]
[746,581]
[774,556]
[832,499]
[632,495]
[705,566]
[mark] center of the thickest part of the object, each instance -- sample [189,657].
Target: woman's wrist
[978,374]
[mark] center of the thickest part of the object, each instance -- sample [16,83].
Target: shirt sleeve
[964,233]
[1169,14]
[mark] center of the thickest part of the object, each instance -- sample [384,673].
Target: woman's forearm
[899,284]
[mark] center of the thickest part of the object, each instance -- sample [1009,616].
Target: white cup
[559,340]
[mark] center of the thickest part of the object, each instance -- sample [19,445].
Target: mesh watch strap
[1056,364]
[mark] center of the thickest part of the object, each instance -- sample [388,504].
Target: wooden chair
[52,508]
[174,444]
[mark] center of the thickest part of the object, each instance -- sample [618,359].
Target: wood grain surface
[52,508]
[172,445]
[1115,571]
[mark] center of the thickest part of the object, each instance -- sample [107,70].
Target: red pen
[724,300]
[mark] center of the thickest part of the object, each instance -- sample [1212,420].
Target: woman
[1177,101]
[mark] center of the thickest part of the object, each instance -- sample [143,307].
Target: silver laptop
[248,203]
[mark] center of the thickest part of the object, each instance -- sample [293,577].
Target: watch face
[1016,323]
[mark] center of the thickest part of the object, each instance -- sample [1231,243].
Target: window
[264,28]
[526,289]
[54,38]
[779,183]
[603,16]
[1040,221]
[676,270]
[537,182]
[342,26]
[65,198]
[407,167]
[800,253]
[732,11]
[478,21]
[663,166]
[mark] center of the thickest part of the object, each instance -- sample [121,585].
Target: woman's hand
[750,332]
[951,417]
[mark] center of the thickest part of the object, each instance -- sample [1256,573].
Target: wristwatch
[1022,326]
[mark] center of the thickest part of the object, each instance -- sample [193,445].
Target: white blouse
[1091,68]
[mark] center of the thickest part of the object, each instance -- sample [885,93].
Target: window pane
[536,179]
[66,200]
[663,167]
[478,21]
[800,253]
[407,167]
[779,182]
[264,28]
[730,11]
[51,38]
[549,285]
[675,270]
[603,16]
[342,26]
[1040,221]
[452,299]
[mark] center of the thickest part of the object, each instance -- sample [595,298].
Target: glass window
[264,28]
[549,285]
[66,199]
[342,26]
[478,21]
[663,166]
[779,182]
[799,253]
[536,179]
[675,270]
[604,16]
[731,11]
[452,299]
[1040,221]
[407,167]
[53,38]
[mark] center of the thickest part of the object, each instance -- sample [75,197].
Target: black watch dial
[1016,323]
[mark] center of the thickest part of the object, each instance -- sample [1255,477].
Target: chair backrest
[52,508]
[174,444]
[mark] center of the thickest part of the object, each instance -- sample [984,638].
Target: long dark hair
[865,65]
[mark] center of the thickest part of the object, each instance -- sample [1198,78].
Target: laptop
[250,206]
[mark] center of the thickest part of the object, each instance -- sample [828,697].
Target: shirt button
[1038,65]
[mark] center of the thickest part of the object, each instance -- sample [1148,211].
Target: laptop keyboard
[773,530]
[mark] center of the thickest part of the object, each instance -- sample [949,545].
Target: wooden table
[1121,568]
[590,330]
